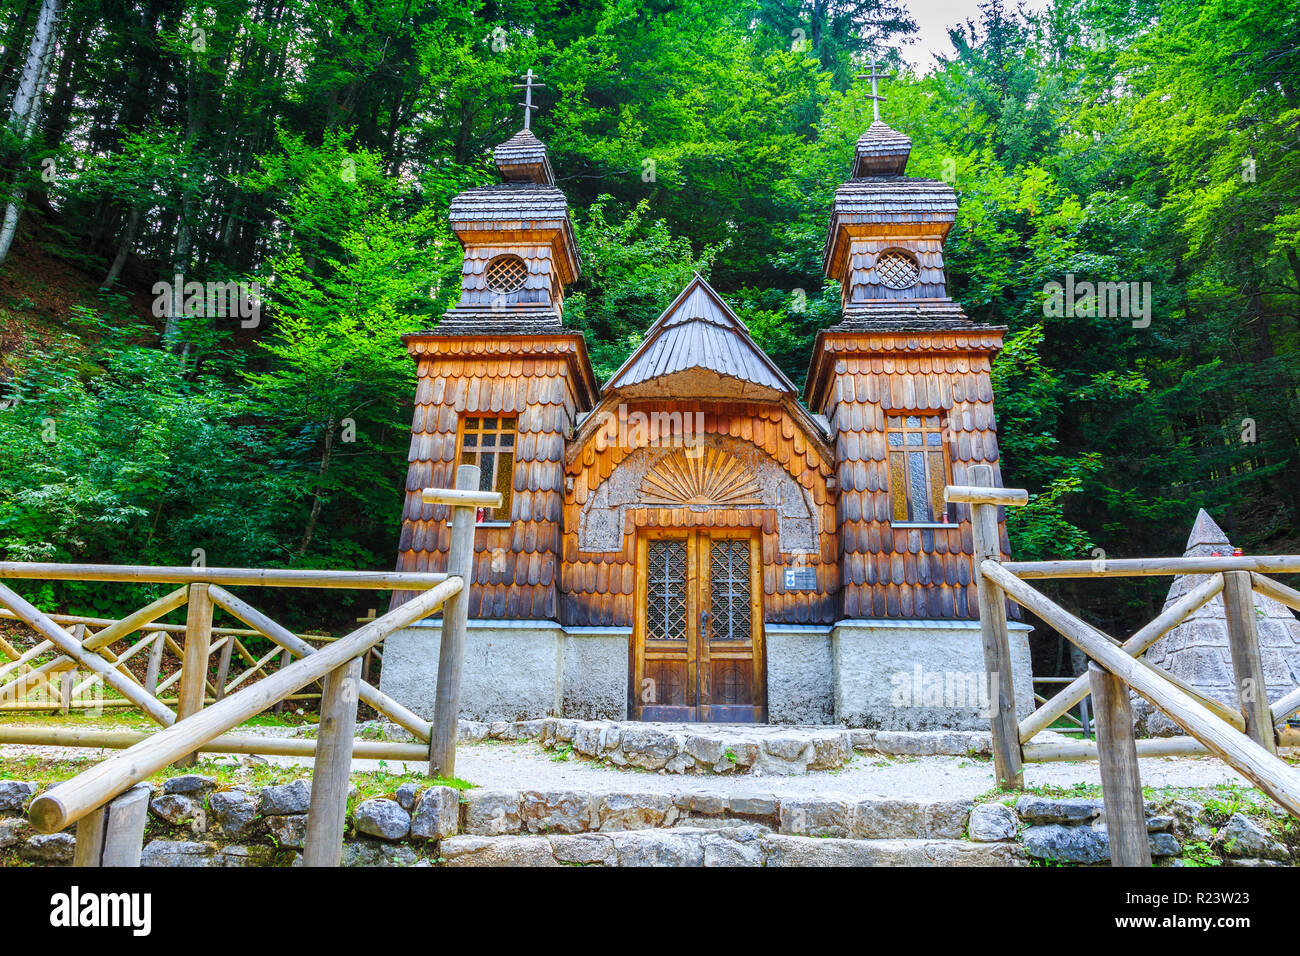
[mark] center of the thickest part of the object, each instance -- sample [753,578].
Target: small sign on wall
[801,579]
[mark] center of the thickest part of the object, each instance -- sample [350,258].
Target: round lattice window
[506,274]
[897,269]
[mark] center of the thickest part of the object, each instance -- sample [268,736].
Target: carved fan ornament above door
[713,479]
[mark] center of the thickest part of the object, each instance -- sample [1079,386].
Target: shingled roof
[699,331]
[886,201]
[881,151]
[518,320]
[509,202]
[904,314]
[522,158]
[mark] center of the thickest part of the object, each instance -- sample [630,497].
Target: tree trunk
[25,112]
[124,248]
[314,517]
[10,69]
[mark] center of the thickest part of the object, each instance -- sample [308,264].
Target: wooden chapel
[693,539]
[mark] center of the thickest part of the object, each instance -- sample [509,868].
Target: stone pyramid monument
[1197,649]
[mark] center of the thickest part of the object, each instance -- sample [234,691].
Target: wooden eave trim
[572,347]
[788,403]
[837,248]
[557,233]
[834,342]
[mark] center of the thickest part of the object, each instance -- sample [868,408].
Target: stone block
[493,812]
[497,851]
[382,818]
[437,815]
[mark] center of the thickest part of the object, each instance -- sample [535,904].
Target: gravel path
[519,765]
[525,765]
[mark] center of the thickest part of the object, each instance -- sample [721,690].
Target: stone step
[716,846]
[492,813]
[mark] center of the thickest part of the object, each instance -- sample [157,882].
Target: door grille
[666,591]
[730,590]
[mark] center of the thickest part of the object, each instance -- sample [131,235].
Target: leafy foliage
[315,150]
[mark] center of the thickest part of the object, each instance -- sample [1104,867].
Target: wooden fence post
[327,813]
[223,666]
[1121,785]
[155,663]
[1247,667]
[997,645]
[113,835]
[455,615]
[194,665]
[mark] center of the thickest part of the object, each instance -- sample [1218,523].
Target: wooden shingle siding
[857,380]
[863,284]
[883,208]
[540,287]
[598,588]
[542,382]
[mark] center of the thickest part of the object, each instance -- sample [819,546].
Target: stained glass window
[490,444]
[918,468]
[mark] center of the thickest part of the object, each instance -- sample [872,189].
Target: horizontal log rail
[978,495]
[221,744]
[260,577]
[1181,746]
[7,614]
[1147,567]
[454,496]
[69,801]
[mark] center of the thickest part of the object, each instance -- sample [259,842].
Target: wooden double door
[697,647]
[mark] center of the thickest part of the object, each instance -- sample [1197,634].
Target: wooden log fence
[1244,733]
[1245,736]
[101,800]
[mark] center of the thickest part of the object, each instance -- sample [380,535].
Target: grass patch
[46,772]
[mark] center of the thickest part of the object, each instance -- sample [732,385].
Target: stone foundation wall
[868,674]
[800,675]
[920,675]
[514,670]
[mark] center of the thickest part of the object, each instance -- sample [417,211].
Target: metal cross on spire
[873,76]
[528,85]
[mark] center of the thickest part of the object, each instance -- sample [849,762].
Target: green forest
[313,148]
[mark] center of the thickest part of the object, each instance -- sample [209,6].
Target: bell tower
[520,251]
[904,381]
[501,383]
